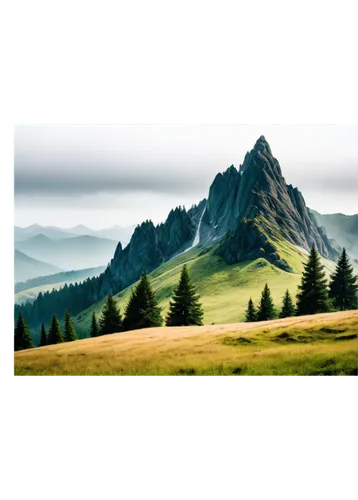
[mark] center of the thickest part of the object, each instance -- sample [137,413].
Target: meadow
[322,344]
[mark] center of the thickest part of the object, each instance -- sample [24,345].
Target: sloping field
[323,344]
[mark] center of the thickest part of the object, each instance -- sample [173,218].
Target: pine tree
[312,297]
[54,333]
[343,286]
[288,309]
[251,314]
[43,336]
[111,319]
[23,338]
[266,309]
[142,310]
[70,332]
[185,308]
[94,326]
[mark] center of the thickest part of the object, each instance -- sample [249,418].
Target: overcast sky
[106,175]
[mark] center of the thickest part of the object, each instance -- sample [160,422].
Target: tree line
[314,295]
[142,311]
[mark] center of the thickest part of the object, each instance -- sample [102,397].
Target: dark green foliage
[43,336]
[343,286]
[23,338]
[70,332]
[142,310]
[266,308]
[312,297]
[54,334]
[251,314]
[111,319]
[185,308]
[288,309]
[94,326]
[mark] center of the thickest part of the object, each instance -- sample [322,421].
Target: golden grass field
[323,344]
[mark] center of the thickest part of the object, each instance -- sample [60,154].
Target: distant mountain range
[118,233]
[77,252]
[27,267]
[342,228]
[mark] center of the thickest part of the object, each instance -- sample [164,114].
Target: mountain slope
[27,267]
[342,228]
[78,252]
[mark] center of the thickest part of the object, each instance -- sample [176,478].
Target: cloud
[39,183]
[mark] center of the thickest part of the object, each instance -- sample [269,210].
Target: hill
[342,228]
[29,290]
[27,267]
[324,344]
[78,252]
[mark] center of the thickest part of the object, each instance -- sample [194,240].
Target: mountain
[27,267]
[25,233]
[342,228]
[253,209]
[78,252]
[118,233]
[250,215]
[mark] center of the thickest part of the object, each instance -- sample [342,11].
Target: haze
[106,175]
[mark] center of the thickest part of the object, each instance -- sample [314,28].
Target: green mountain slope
[224,289]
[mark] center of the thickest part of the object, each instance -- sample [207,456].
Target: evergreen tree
[288,309]
[312,297]
[111,319]
[266,309]
[251,314]
[343,286]
[70,332]
[23,338]
[142,310]
[185,308]
[43,336]
[94,326]
[54,333]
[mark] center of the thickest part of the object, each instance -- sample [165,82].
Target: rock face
[261,204]
[151,245]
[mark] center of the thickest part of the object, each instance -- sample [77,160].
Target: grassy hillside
[224,289]
[324,344]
